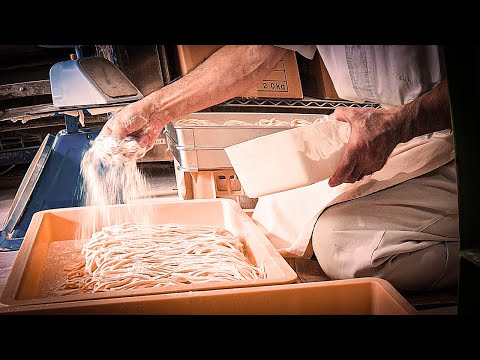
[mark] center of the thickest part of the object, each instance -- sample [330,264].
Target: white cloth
[390,75]
[287,218]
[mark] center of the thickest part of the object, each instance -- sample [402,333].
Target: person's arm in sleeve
[375,133]
[229,72]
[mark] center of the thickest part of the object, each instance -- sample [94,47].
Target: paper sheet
[289,159]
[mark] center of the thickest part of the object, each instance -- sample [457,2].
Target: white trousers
[407,234]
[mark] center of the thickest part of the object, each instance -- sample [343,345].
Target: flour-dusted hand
[228,73]
[374,134]
[137,120]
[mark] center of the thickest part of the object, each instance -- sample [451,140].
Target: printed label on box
[277,79]
[277,86]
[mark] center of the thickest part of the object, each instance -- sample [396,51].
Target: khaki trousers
[407,234]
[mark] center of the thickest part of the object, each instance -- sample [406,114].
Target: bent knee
[344,255]
[432,268]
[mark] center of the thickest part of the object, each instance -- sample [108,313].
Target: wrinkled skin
[227,73]
[374,135]
[136,119]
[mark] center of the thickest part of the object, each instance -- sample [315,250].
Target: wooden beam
[24,89]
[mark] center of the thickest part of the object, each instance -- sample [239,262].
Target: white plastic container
[289,159]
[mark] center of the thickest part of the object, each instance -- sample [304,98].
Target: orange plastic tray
[49,244]
[366,296]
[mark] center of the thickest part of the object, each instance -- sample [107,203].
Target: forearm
[228,73]
[428,113]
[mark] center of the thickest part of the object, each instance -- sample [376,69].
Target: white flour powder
[111,176]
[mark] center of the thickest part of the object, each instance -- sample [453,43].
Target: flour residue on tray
[60,254]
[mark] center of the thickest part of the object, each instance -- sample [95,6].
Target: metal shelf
[310,105]
[472,255]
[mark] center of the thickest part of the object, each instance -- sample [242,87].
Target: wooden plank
[18,112]
[27,113]
[24,89]
[40,123]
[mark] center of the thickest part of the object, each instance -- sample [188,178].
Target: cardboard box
[282,82]
[315,79]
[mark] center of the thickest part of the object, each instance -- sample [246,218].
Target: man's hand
[135,119]
[227,73]
[374,134]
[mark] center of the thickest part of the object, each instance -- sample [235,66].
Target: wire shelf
[289,105]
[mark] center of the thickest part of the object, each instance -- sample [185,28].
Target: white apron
[288,218]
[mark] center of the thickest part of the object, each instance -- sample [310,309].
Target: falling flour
[111,176]
[121,251]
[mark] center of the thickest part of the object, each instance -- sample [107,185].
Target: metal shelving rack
[305,105]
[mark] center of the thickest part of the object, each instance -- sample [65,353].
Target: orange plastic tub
[49,245]
[366,296]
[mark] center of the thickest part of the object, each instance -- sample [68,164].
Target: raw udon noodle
[195,122]
[272,122]
[261,122]
[236,123]
[133,256]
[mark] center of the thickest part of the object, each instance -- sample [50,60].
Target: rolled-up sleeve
[307,51]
